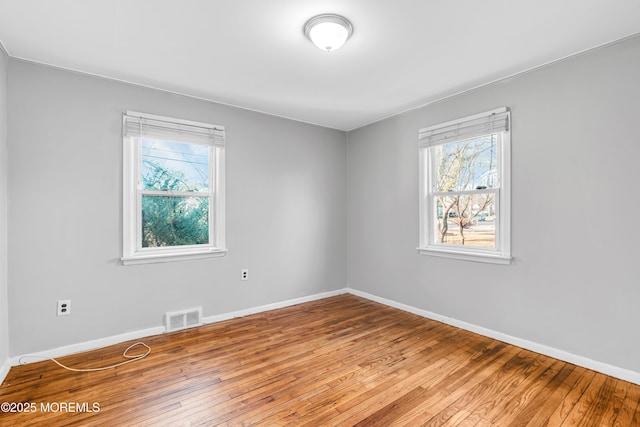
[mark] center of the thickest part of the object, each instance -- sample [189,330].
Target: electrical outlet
[244,275]
[64,307]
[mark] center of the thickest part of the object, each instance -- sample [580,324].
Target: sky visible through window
[187,164]
[466,165]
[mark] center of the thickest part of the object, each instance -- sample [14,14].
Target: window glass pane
[174,221]
[174,166]
[467,220]
[466,165]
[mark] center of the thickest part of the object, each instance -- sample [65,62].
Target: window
[173,175]
[464,188]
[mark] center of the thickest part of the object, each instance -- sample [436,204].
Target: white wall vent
[183,319]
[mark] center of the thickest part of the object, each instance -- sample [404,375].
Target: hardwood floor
[341,361]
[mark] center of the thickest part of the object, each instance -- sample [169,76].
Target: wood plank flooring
[341,361]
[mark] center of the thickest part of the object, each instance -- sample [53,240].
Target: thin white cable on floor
[125,354]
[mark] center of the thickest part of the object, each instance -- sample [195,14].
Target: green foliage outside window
[172,220]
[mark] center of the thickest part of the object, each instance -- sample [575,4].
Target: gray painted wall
[574,284]
[286,221]
[4,309]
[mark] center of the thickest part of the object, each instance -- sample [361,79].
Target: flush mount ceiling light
[328,31]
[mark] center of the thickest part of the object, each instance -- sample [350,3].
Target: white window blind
[139,125]
[481,124]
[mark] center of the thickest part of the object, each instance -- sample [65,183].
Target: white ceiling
[252,53]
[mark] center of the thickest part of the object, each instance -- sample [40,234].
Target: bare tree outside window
[464,183]
[466,170]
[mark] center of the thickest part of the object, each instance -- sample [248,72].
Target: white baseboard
[585,362]
[4,370]
[84,346]
[116,339]
[614,371]
[274,306]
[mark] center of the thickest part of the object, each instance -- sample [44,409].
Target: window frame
[501,253]
[133,252]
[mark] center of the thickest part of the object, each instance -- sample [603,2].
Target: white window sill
[466,256]
[185,256]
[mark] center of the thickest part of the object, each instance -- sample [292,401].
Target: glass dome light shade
[328,32]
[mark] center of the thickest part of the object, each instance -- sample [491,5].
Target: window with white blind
[465,188]
[173,188]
